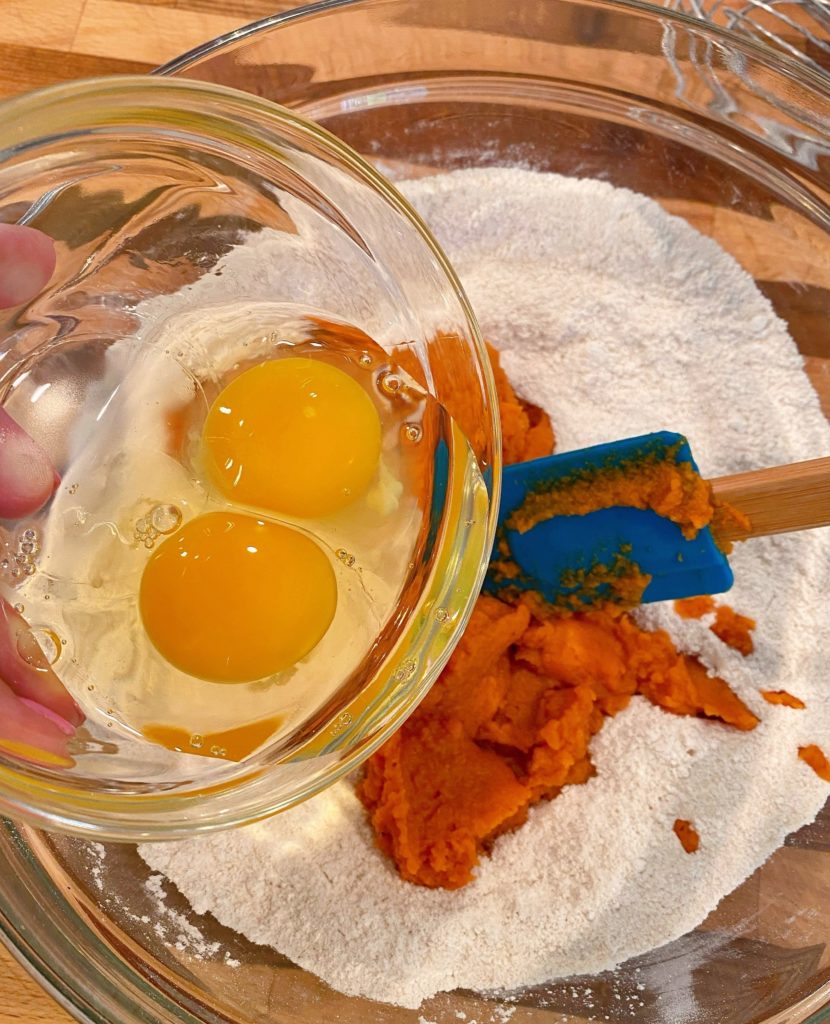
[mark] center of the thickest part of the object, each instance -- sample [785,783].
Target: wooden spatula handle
[779,500]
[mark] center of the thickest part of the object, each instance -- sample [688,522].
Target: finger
[27,262]
[27,478]
[28,734]
[28,674]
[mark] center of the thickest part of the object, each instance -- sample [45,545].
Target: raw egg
[296,436]
[233,598]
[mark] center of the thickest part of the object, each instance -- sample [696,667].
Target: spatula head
[576,560]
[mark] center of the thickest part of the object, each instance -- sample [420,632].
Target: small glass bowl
[145,185]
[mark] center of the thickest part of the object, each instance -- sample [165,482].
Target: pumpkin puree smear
[510,720]
[687,834]
[815,757]
[784,699]
[733,629]
[654,481]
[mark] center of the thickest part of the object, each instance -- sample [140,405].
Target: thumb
[27,478]
[27,262]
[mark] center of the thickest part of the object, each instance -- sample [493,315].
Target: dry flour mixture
[619,319]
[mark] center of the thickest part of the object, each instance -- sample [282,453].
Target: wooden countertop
[22,1000]
[46,41]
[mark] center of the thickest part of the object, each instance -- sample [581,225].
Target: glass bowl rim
[781,63]
[96,813]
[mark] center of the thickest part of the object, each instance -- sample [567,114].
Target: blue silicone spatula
[577,559]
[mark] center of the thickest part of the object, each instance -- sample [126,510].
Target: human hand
[37,714]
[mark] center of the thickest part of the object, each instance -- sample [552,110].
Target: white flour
[619,319]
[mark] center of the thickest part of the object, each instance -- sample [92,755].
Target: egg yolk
[232,598]
[295,436]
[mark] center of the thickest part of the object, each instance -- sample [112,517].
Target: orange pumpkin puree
[652,481]
[816,758]
[783,698]
[526,429]
[733,629]
[694,607]
[728,525]
[510,720]
[687,834]
[620,582]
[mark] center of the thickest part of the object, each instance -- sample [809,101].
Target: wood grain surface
[46,41]
[782,499]
[22,1000]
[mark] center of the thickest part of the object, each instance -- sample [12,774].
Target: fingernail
[52,716]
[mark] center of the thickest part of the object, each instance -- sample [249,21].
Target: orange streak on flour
[734,630]
[816,758]
[694,607]
[687,834]
[783,698]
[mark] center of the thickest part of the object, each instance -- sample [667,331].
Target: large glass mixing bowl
[720,132]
